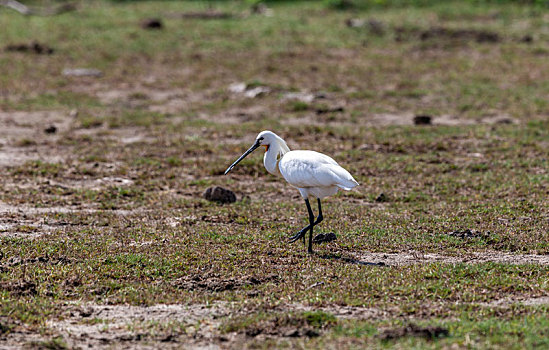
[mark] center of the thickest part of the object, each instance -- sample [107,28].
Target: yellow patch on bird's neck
[266,147]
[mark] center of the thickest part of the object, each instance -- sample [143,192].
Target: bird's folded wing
[334,175]
[302,173]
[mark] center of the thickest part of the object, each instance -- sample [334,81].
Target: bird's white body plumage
[314,174]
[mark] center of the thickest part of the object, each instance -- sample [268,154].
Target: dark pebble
[381,198]
[527,39]
[152,23]
[330,110]
[423,119]
[52,129]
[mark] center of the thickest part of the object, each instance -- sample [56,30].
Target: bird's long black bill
[242,157]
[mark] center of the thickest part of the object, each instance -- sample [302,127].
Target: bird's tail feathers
[349,184]
[346,188]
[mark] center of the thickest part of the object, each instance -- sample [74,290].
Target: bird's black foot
[299,235]
[303,231]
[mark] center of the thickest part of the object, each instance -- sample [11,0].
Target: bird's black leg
[317,221]
[303,231]
[320,217]
[311,224]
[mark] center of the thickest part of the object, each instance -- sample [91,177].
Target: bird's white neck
[275,151]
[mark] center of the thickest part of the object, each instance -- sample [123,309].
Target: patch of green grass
[56,343]
[319,319]
[39,168]
[55,100]
[25,142]
[88,122]
[514,332]
[299,106]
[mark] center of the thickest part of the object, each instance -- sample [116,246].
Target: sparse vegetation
[103,224]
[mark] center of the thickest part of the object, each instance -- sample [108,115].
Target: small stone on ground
[423,120]
[152,23]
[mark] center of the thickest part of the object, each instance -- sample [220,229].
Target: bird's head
[266,139]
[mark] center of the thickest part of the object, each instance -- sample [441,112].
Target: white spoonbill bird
[314,174]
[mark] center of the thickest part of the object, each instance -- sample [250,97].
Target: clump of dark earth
[73,281]
[376,27]
[422,119]
[283,326]
[527,39]
[208,14]
[19,288]
[34,47]
[220,194]
[381,198]
[412,330]
[289,332]
[324,110]
[52,129]
[325,238]
[4,328]
[15,261]
[480,36]
[152,23]
[442,33]
[214,283]
[468,233]
[504,120]
[343,4]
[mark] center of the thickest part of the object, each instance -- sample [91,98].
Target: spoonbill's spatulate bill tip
[250,150]
[313,174]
